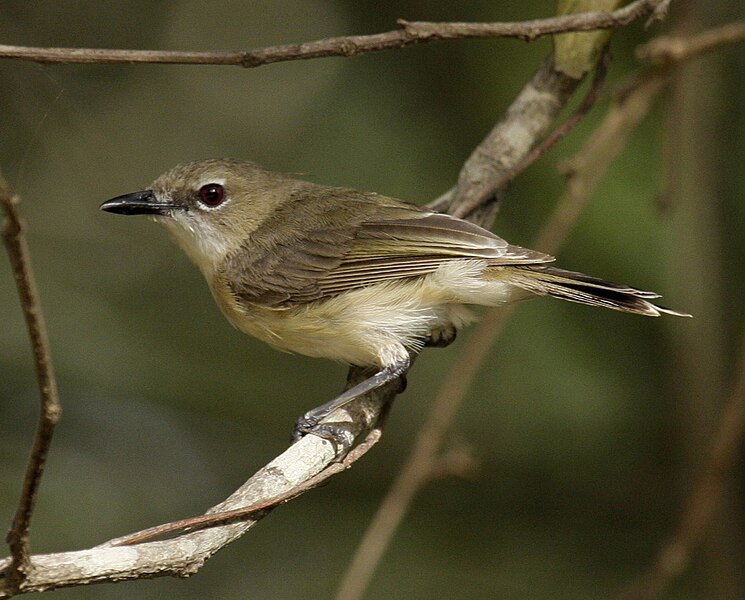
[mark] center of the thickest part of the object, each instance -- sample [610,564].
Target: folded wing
[349,253]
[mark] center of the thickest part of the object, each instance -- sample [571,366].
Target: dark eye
[211,194]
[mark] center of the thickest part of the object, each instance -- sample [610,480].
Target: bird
[348,275]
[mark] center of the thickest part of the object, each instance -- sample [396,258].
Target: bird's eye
[212,194]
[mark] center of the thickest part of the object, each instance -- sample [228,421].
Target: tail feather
[578,287]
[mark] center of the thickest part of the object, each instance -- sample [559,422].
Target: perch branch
[264,504]
[294,471]
[409,33]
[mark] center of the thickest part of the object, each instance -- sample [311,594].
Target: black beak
[138,203]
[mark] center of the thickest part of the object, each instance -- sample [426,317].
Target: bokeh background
[588,425]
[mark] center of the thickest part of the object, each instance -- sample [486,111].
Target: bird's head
[210,206]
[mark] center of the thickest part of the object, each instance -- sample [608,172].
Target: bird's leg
[310,422]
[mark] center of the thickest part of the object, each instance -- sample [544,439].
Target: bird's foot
[339,434]
[441,337]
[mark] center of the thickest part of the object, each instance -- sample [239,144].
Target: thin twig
[585,169]
[705,497]
[667,49]
[410,33]
[50,410]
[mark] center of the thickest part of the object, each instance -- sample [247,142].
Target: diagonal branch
[584,171]
[430,439]
[213,519]
[409,34]
[704,499]
[471,203]
[531,113]
[304,464]
[49,414]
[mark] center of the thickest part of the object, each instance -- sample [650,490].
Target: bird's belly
[367,326]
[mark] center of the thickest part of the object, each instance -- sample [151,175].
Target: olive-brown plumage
[348,275]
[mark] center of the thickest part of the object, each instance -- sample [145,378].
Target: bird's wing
[321,263]
[399,248]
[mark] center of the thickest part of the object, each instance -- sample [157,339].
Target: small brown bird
[352,276]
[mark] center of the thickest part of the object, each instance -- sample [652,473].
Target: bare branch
[50,410]
[584,171]
[312,459]
[666,49]
[483,179]
[410,33]
[182,556]
[467,206]
[288,475]
[705,497]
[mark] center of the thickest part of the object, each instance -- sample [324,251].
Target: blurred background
[588,425]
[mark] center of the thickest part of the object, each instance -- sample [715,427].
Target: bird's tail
[577,287]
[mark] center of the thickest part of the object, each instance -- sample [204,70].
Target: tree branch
[50,409]
[468,205]
[303,465]
[584,171]
[182,556]
[312,459]
[704,499]
[427,446]
[410,33]
[226,517]
[666,49]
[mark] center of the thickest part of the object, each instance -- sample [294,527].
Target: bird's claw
[339,434]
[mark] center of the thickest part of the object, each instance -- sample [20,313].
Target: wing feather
[356,246]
